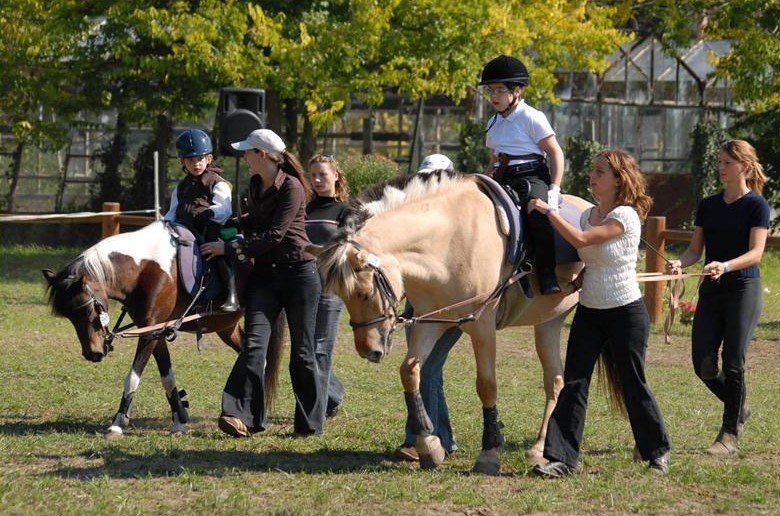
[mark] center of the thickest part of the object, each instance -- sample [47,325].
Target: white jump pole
[156,185]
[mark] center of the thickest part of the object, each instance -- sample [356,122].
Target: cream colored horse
[439,241]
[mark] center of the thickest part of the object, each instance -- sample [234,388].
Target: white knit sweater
[610,267]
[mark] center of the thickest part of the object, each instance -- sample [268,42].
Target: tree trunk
[110,181]
[16,166]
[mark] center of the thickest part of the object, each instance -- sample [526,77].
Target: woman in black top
[323,214]
[284,276]
[731,228]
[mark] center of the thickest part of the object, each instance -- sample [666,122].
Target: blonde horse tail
[273,359]
[609,380]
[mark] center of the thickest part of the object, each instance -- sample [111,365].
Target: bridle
[390,301]
[382,284]
[103,319]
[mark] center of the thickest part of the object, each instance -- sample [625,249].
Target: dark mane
[392,193]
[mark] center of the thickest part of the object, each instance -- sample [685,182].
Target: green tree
[320,57]
[751,68]
[36,80]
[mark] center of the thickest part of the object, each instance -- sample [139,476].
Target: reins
[390,299]
[489,299]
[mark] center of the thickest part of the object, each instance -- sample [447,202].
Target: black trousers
[622,332]
[539,229]
[296,288]
[726,316]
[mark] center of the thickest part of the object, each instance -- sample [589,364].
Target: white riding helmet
[435,162]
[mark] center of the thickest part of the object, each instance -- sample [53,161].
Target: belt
[503,163]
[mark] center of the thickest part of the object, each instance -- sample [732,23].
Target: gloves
[554,196]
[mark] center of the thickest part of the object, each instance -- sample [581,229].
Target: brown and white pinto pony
[438,240]
[139,269]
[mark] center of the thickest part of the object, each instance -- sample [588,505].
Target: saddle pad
[191,264]
[501,199]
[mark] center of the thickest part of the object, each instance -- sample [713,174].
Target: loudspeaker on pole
[239,112]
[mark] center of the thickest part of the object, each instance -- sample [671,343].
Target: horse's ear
[48,275]
[314,249]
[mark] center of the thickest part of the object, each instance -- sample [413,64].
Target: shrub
[364,171]
[580,152]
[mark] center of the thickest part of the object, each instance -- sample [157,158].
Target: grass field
[55,405]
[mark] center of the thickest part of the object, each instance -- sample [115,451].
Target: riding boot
[228,277]
[544,253]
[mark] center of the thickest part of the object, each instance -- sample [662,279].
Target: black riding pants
[540,230]
[726,316]
[296,288]
[621,334]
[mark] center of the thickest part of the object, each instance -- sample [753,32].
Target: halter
[390,301]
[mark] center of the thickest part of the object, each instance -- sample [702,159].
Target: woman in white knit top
[611,319]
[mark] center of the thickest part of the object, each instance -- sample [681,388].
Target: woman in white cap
[284,276]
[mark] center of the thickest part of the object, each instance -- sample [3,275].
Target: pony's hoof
[488,463]
[430,451]
[113,432]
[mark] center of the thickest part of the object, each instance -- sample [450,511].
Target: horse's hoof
[488,463]
[113,432]
[431,452]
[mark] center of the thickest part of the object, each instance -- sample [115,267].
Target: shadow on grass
[118,463]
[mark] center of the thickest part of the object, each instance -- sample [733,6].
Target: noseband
[389,300]
[103,318]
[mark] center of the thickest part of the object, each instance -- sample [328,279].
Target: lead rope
[675,287]
[489,300]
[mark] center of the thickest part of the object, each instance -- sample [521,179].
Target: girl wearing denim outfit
[323,214]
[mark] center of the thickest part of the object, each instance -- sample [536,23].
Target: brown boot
[725,444]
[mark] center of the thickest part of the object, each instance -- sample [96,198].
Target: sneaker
[233,426]
[406,452]
[660,464]
[554,469]
[725,444]
[332,410]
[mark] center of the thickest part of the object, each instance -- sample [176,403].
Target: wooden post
[110,222]
[654,262]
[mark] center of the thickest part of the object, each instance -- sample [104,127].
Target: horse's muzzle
[93,356]
[375,356]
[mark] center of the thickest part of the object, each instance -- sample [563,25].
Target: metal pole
[156,185]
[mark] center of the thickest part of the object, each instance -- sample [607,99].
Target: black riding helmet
[505,69]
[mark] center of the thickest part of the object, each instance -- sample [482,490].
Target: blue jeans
[432,387]
[328,316]
[296,288]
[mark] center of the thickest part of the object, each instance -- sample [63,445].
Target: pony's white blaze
[152,243]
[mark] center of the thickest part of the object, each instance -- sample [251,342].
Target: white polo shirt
[519,132]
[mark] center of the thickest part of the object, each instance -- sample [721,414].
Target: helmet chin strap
[511,105]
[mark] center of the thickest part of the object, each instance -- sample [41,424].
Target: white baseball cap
[263,139]
[435,162]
